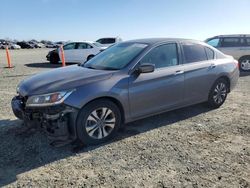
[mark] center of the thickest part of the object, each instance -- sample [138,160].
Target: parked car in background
[109,41]
[126,82]
[76,52]
[2,46]
[3,42]
[13,46]
[58,44]
[34,44]
[25,45]
[237,46]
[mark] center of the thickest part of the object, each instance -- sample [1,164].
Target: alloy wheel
[245,65]
[100,123]
[220,93]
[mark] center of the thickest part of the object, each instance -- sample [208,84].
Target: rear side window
[232,42]
[210,53]
[194,52]
[82,46]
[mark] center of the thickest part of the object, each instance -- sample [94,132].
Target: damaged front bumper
[58,121]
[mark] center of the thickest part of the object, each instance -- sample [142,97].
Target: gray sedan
[128,81]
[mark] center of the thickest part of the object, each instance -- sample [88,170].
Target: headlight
[48,99]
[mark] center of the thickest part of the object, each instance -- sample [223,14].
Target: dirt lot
[190,147]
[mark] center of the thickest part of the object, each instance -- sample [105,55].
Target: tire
[54,59]
[90,57]
[244,63]
[91,129]
[218,93]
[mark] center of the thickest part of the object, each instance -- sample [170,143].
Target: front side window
[194,52]
[70,46]
[162,56]
[116,57]
[109,41]
[214,42]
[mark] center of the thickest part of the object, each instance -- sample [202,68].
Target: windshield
[116,57]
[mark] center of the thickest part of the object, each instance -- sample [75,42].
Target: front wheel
[98,122]
[54,58]
[218,93]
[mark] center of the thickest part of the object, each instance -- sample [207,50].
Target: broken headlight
[48,99]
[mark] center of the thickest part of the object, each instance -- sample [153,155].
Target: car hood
[60,79]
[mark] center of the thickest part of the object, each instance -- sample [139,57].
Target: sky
[62,20]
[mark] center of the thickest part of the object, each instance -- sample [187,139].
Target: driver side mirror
[146,68]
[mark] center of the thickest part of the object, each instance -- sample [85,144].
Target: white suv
[237,46]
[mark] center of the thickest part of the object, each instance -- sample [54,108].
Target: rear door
[160,90]
[200,71]
[81,52]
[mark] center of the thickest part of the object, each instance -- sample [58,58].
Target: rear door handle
[179,72]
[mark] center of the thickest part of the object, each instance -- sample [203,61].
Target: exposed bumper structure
[58,121]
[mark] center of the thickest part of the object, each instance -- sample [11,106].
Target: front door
[160,90]
[69,52]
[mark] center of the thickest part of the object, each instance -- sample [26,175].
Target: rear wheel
[98,122]
[245,63]
[218,93]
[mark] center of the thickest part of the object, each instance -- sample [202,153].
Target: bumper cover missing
[58,121]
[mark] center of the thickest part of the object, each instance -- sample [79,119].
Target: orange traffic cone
[8,58]
[62,56]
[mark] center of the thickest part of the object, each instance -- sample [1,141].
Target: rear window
[194,52]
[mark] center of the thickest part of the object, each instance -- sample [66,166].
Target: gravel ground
[190,147]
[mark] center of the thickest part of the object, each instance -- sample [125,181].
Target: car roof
[152,41]
[84,41]
[233,35]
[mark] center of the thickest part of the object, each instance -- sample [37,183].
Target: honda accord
[128,81]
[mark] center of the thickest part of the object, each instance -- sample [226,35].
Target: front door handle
[179,72]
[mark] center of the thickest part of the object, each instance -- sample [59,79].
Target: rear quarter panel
[228,67]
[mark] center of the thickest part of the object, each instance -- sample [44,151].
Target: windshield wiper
[89,67]
[110,68]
